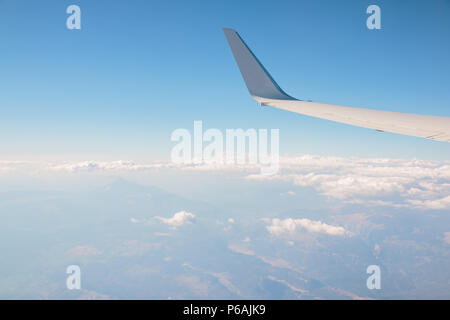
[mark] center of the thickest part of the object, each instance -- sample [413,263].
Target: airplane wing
[266,91]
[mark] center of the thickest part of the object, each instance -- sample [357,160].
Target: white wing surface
[266,91]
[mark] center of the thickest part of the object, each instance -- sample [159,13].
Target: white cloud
[288,193]
[289,226]
[134,220]
[413,183]
[120,165]
[441,203]
[241,250]
[178,219]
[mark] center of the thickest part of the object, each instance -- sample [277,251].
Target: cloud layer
[290,226]
[411,183]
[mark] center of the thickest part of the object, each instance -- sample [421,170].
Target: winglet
[258,81]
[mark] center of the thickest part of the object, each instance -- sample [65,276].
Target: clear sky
[137,70]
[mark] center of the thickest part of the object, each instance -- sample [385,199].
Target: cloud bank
[419,184]
[410,183]
[290,226]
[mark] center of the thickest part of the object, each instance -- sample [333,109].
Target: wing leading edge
[266,91]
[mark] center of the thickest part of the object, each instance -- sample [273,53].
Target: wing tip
[225,29]
[259,82]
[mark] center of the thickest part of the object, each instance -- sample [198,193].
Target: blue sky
[137,70]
